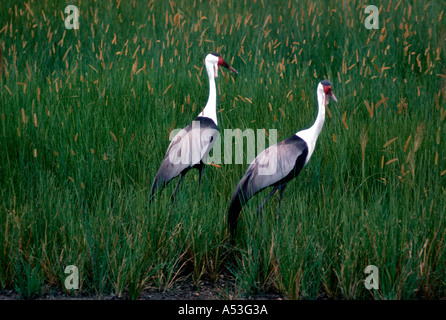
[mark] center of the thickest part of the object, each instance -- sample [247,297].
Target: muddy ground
[207,290]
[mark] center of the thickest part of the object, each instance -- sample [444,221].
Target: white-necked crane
[191,146]
[286,158]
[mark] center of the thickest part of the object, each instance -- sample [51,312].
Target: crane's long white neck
[311,134]
[320,119]
[210,110]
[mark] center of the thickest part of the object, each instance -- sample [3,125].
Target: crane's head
[213,61]
[324,89]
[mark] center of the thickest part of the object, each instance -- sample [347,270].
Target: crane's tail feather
[239,199]
[157,184]
[233,213]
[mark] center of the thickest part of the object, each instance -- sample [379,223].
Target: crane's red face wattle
[223,63]
[213,61]
[329,94]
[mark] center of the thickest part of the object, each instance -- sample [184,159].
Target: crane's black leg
[260,208]
[282,188]
[200,171]
[172,198]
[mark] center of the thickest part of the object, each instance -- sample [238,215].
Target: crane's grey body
[188,149]
[191,146]
[289,156]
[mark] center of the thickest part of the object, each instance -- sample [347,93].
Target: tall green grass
[84,123]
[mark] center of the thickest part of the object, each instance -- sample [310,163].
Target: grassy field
[85,117]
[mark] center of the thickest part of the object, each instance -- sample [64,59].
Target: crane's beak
[331,94]
[223,63]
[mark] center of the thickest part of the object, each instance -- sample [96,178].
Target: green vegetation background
[85,118]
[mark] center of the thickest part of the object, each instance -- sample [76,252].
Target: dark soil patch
[206,290]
